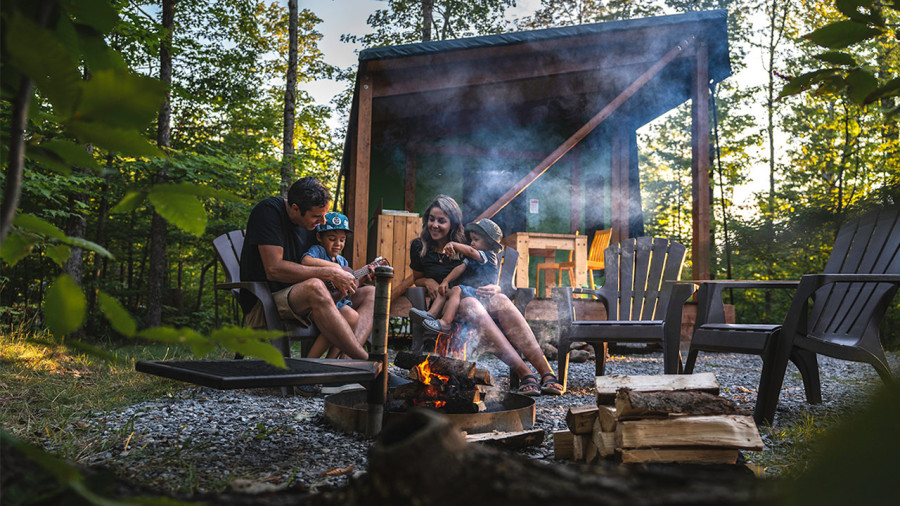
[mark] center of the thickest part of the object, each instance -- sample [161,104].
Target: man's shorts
[256,318]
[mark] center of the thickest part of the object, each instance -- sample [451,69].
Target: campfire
[447,384]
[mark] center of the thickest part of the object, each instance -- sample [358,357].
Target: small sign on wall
[533,206]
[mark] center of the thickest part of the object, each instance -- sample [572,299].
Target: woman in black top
[443,223]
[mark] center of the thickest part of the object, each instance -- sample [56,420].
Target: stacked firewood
[451,385]
[667,418]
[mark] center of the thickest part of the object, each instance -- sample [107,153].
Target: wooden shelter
[534,129]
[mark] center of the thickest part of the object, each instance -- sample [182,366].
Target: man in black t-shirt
[279,231]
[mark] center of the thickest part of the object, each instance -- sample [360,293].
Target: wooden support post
[620,190]
[588,127]
[357,194]
[701,245]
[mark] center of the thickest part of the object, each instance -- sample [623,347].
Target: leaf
[182,335]
[64,306]
[120,98]
[183,211]
[37,53]
[889,89]
[129,202]
[72,153]
[59,253]
[78,242]
[16,246]
[97,55]
[805,81]
[860,84]
[198,190]
[841,34]
[98,14]
[118,316]
[124,141]
[837,58]
[47,159]
[33,224]
[251,343]
[850,8]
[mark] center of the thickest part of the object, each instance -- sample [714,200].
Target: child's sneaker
[434,325]
[417,316]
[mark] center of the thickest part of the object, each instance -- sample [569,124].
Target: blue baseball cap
[334,221]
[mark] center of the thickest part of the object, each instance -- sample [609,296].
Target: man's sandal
[528,385]
[551,385]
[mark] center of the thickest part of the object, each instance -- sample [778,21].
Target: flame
[451,345]
[435,385]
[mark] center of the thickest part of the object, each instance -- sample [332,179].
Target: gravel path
[203,439]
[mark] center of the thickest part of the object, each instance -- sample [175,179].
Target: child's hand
[443,288]
[450,248]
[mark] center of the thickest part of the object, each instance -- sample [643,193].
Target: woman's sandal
[528,385]
[551,385]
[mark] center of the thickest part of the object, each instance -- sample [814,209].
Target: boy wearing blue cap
[332,236]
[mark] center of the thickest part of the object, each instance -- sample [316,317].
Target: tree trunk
[157,270]
[290,101]
[427,19]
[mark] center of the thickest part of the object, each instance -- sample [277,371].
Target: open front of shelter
[536,130]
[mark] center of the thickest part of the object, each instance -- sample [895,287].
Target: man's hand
[343,281]
[487,291]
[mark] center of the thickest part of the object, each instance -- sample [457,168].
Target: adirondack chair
[642,298]
[595,262]
[849,300]
[228,250]
[520,297]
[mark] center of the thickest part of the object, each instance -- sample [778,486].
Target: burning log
[439,365]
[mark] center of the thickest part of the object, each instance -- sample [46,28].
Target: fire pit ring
[506,412]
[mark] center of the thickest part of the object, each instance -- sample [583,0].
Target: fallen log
[607,386]
[423,458]
[725,431]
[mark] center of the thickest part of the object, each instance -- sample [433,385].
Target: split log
[631,404]
[423,457]
[607,417]
[584,449]
[509,440]
[580,419]
[483,377]
[604,441]
[728,431]
[563,445]
[607,386]
[681,455]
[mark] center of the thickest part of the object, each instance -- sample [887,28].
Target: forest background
[134,132]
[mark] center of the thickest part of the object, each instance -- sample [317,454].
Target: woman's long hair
[453,212]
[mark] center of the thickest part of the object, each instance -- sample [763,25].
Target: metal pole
[377,393]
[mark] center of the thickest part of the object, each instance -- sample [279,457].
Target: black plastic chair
[643,303]
[228,250]
[849,300]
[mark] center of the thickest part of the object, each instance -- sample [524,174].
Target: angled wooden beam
[582,132]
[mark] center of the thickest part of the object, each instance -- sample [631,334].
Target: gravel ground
[203,439]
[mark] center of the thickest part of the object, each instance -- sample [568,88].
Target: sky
[349,16]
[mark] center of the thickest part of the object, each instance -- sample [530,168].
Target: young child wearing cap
[480,267]
[332,236]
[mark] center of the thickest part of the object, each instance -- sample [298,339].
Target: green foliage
[65,306]
[863,24]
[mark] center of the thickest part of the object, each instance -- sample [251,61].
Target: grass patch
[791,447]
[47,389]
